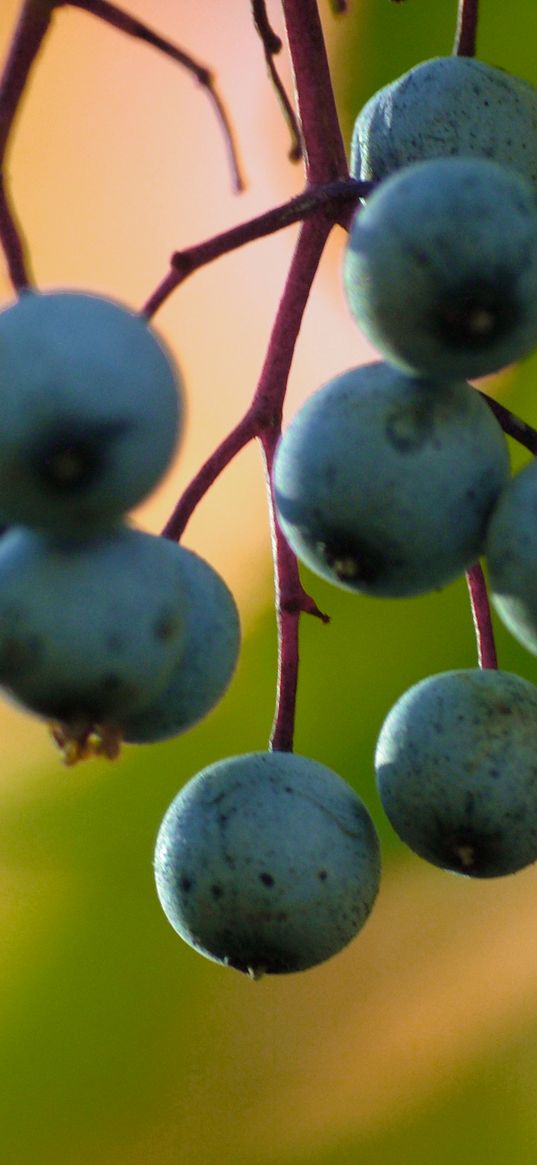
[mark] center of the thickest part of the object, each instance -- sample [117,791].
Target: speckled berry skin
[89,629]
[384,483]
[91,411]
[447,106]
[207,661]
[440,269]
[512,556]
[267,862]
[456,764]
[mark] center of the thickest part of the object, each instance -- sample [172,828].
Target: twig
[271,47]
[334,198]
[136,28]
[479,602]
[466,31]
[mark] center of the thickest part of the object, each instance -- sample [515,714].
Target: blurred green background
[118,1044]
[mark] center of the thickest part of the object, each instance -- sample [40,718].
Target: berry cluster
[92,413]
[394,478]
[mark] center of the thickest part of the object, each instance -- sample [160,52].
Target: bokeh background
[118,1044]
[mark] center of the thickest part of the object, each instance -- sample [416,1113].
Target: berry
[440,270]
[267,862]
[384,483]
[207,660]
[512,556]
[91,411]
[89,629]
[457,771]
[448,106]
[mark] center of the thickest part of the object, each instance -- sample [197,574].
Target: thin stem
[331,198]
[30,31]
[516,428]
[466,31]
[271,47]
[321,133]
[291,601]
[136,28]
[479,602]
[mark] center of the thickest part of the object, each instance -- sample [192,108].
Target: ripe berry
[457,771]
[91,411]
[512,556]
[267,862]
[206,662]
[384,484]
[448,106]
[440,270]
[89,629]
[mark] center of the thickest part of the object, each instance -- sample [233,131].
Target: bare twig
[271,47]
[136,28]
[466,31]
[480,606]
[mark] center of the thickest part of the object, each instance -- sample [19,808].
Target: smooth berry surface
[384,483]
[92,411]
[456,765]
[207,660]
[90,629]
[267,862]
[440,270]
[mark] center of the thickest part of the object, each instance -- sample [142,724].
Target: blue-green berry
[206,662]
[384,483]
[456,764]
[512,556]
[267,862]
[90,629]
[447,106]
[91,411]
[440,270]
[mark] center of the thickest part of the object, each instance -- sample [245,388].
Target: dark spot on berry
[216,890]
[475,315]
[165,627]
[186,884]
[322,875]
[266,879]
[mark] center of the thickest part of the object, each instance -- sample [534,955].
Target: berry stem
[516,428]
[124,22]
[466,31]
[271,47]
[31,29]
[338,200]
[480,606]
[324,151]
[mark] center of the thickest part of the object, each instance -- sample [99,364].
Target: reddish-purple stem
[334,198]
[30,31]
[512,425]
[479,602]
[124,22]
[466,32]
[325,156]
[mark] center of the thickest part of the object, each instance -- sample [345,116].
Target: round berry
[384,484]
[91,411]
[267,862]
[447,106]
[440,270]
[206,662]
[90,629]
[512,556]
[456,764]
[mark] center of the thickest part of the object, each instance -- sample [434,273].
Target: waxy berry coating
[267,862]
